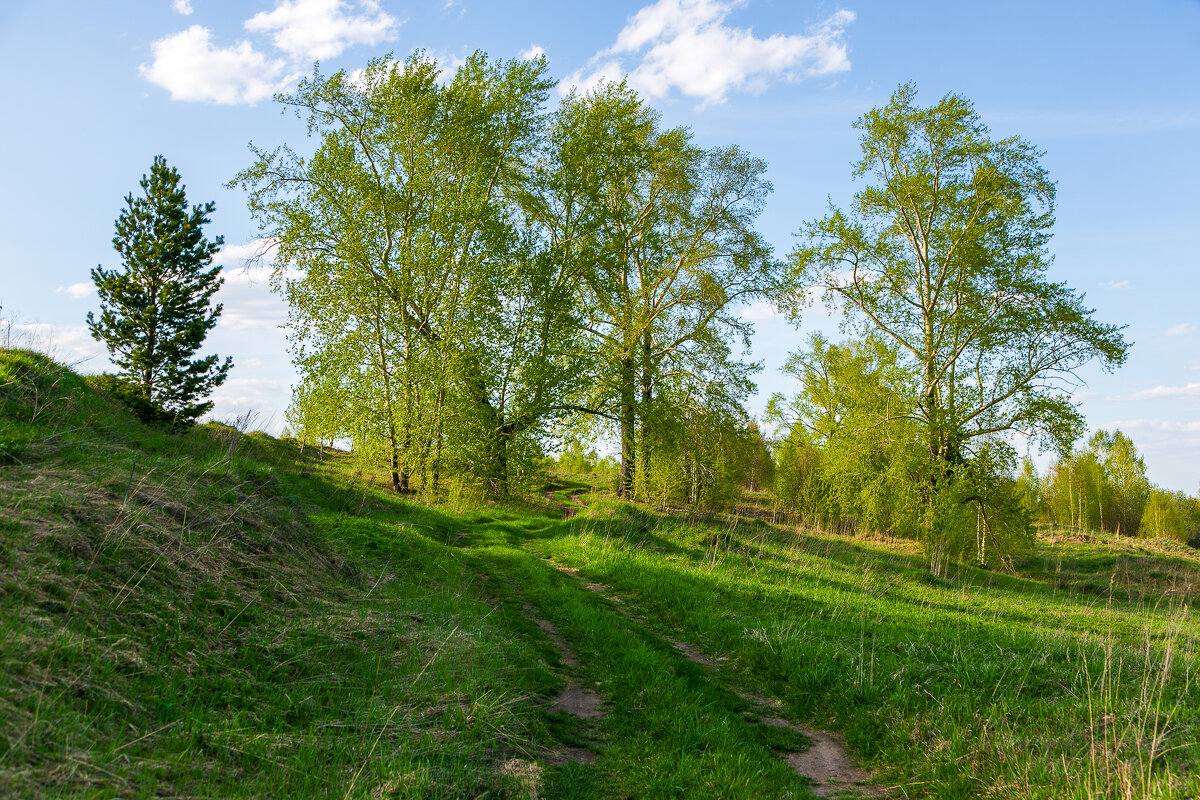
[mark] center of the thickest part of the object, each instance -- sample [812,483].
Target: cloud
[240,255]
[1180,329]
[248,302]
[312,30]
[71,345]
[77,290]
[189,67]
[532,52]
[686,45]
[250,403]
[760,310]
[182,6]
[1117,285]
[1161,392]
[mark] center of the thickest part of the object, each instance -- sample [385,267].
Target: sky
[1109,91]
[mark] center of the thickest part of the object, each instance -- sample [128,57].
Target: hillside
[223,615]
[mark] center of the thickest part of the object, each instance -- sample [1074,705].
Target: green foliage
[660,234]
[1171,515]
[1102,486]
[944,257]
[133,399]
[699,456]
[853,456]
[156,313]
[428,327]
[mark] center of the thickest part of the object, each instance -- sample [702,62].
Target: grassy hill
[223,615]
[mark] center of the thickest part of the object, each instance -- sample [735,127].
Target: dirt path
[574,503]
[573,699]
[826,762]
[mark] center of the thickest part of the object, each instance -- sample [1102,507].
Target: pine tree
[155,313]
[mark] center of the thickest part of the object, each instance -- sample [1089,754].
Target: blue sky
[1108,90]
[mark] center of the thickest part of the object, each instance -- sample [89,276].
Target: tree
[1102,486]
[852,411]
[1126,487]
[945,255]
[661,235]
[411,259]
[156,313]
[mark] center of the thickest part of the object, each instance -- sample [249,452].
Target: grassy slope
[208,615]
[223,616]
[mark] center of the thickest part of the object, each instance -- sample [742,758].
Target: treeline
[843,481]
[469,272]
[473,275]
[1103,486]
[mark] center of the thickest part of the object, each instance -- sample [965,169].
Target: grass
[980,684]
[180,617]
[223,615]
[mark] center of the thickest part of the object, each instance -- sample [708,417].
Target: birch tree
[661,234]
[945,255]
[408,201]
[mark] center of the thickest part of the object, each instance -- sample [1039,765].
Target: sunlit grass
[225,615]
[978,684]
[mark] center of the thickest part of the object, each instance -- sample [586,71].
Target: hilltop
[223,614]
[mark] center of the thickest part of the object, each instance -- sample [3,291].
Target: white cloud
[240,255]
[1180,329]
[77,290]
[189,67]
[250,403]
[71,345]
[1160,392]
[686,45]
[248,302]
[760,310]
[532,52]
[319,29]
[1117,285]
[247,391]
[182,6]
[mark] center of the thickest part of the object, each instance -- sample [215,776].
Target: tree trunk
[436,456]
[647,387]
[628,428]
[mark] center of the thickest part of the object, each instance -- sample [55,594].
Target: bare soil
[826,763]
[573,699]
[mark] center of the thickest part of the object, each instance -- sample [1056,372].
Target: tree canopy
[661,234]
[945,255]
[156,312]
[943,259]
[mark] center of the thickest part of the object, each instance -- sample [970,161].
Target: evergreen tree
[155,314]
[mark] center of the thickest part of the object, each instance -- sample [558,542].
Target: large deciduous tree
[156,312]
[661,235]
[944,255]
[411,258]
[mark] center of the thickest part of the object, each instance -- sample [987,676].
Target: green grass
[223,615]
[980,684]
